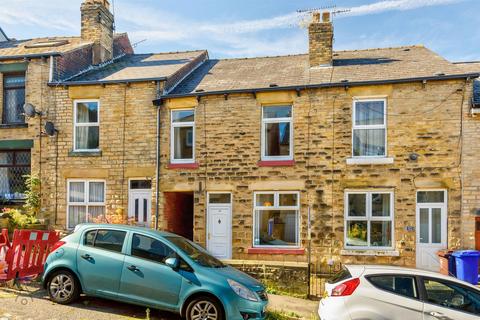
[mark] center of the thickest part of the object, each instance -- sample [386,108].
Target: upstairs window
[87,126]
[13,99]
[277,133]
[369,128]
[14,166]
[182,147]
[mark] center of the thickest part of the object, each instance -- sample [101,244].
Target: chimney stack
[320,38]
[97,26]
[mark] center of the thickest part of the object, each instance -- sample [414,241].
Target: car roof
[123,227]
[373,269]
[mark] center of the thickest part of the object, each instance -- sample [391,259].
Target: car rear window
[398,284]
[111,240]
[342,275]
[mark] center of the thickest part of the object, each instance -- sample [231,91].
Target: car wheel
[204,308]
[63,287]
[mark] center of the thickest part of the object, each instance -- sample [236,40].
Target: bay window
[369,128]
[369,219]
[14,166]
[13,99]
[276,219]
[86,201]
[182,133]
[277,133]
[86,126]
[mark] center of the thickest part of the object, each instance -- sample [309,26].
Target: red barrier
[27,253]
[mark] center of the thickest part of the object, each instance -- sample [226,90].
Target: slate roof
[473,66]
[34,47]
[141,67]
[372,65]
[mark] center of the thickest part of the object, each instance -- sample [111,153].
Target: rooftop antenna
[307,13]
[134,45]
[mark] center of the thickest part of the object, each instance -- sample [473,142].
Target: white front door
[219,225]
[140,206]
[431,229]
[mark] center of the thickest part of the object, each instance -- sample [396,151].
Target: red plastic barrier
[27,253]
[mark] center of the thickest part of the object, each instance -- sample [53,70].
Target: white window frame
[371,126]
[429,205]
[264,156]
[275,206]
[369,218]
[86,203]
[88,124]
[174,125]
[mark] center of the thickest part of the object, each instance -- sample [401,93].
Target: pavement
[32,303]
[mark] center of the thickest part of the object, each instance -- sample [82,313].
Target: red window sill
[275,251]
[194,165]
[277,163]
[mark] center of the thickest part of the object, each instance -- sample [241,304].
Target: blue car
[152,269]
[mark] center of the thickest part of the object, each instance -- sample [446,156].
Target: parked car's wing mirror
[173,263]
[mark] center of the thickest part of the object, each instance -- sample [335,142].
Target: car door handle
[133,268]
[86,256]
[438,315]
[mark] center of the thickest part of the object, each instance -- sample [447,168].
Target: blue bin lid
[466,253]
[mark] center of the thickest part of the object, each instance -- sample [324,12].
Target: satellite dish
[50,128]
[29,110]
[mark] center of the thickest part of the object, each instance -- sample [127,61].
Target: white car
[393,293]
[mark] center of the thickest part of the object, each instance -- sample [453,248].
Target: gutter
[30,56]
[93,82]
[317,86]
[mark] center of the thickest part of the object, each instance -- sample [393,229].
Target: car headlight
[242,291]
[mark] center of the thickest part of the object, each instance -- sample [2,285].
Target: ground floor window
[276,216]
[368,219]
[14,166]
[86,201]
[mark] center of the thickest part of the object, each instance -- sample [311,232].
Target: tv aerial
[30,111]
[306,14]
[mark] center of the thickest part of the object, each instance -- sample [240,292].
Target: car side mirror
[173,263]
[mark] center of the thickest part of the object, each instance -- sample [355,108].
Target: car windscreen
[195,252]
[343,274]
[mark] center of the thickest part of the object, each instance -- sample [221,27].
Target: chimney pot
[316,17]
[326,16]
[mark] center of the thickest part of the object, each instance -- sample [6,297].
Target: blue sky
[262,27]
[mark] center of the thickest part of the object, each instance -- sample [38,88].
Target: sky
[246,28]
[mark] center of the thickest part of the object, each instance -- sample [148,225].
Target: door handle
[437,315]
[86,256]
[133,268]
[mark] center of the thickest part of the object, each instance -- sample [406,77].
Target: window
[140,184]
[276,217]
[454,296]
[150,249]
[369,219]
[277,133]
[14,166]
[182,147]
[86,201]
[111,240]
[402,285]
[431,196]
[13,99]
[87,126]
[369,128]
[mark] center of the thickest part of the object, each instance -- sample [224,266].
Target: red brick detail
[277,163]
[275,251]
[178,211]
[194,165]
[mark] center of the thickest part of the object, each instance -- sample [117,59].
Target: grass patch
[274,290]
[281,315]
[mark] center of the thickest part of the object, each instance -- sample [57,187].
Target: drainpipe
[157,178]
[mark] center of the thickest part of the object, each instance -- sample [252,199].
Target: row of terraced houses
[361,156]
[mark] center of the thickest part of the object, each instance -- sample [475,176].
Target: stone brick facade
[422,119]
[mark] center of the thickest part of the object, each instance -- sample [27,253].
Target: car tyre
[205,308]
[63,287]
